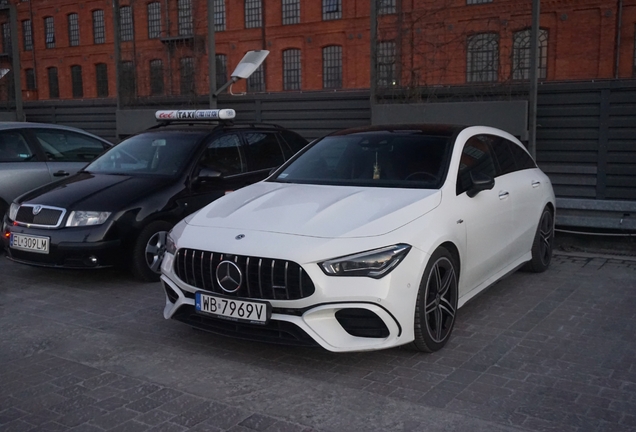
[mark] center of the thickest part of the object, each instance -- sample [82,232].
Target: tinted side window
[522,159]
[293,143]
[477,159]
[223,154]
[14,148]
[264,150]
[67,146]
[504,155]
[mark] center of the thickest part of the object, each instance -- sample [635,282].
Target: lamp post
[211,54]
[534,76]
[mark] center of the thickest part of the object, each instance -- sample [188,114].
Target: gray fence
[586,136]
[586,143]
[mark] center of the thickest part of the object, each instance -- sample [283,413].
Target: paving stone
[258,422]
[536,352]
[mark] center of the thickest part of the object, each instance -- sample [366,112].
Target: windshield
[378,159]
[161,153]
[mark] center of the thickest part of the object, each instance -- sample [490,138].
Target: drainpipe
[35,64]
[117,53]
[17,69]
[211,54]
[619,23]
[373,70]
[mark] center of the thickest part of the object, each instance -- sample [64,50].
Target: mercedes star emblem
[229,276]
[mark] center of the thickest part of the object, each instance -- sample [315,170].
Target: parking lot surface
[90,351]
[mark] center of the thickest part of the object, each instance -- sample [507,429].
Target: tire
[148,251]
[436,304]
[4,208]
[542,244]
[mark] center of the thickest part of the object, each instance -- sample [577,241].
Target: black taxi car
[120,207]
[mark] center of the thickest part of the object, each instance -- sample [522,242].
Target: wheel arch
[454,251]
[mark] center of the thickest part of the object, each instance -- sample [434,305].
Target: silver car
[33,154]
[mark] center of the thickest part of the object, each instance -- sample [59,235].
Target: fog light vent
[172,296]
[362,323]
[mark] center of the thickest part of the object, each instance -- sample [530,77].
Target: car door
[223,154]
[66,151]
[20,169]
[527,202]
[487,216]
[264,151]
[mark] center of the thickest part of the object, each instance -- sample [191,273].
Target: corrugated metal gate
[586,143]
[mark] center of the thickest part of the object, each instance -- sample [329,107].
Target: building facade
[66,47]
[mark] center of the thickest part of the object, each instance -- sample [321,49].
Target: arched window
[521,54]
[99,29]
[186,25]
[291,11]
[291,69]
[253,13]
[387,75]
[156,77]
[77,81]
[154,20]
[332,67]
[483,58]
[73,30]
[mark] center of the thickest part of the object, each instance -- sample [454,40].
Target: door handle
[536,184]
[61,173]
[503,195]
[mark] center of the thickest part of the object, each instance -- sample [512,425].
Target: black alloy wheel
[543,243]
[436,303]
[149,250]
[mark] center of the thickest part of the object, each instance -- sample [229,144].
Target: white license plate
[233,309]
[29,243]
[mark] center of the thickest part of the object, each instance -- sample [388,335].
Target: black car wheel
[542,244]
[436,303]
[148,251]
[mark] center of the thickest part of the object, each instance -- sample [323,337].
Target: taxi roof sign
[202,114]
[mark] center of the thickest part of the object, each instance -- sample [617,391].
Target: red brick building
[66,47]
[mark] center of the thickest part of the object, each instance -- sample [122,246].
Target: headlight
[171,248]
[13,211]
[375,263]
[85,218]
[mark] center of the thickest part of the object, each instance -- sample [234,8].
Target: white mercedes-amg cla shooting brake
[367,239]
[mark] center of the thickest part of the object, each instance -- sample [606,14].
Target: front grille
[263,278]
[50,217]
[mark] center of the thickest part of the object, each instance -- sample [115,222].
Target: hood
[103,192]
[316,210]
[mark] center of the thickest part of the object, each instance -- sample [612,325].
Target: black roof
[428,129]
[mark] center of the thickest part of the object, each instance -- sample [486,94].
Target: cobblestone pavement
[90,351]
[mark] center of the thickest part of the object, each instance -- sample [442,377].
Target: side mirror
[479,182]
[207,174]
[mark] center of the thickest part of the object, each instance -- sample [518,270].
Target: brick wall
[431,38]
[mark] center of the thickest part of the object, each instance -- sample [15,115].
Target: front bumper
[83,247]
[343,314]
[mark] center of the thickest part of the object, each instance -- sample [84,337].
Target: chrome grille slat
[280,284]
[260,284]
[247,277]
[286,281]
